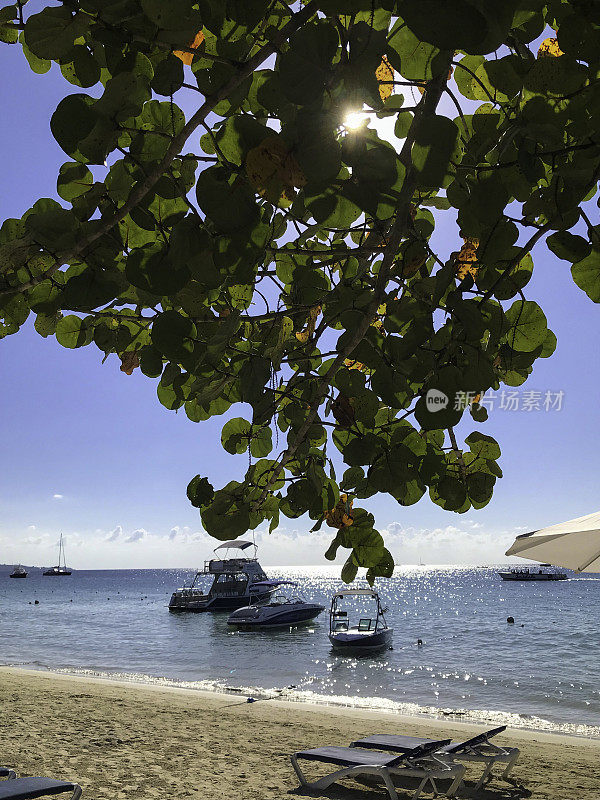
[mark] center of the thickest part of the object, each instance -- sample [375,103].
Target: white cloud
[137,535]
[58,496]
[114,534]
[466,542]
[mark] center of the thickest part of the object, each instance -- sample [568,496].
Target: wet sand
[122,740]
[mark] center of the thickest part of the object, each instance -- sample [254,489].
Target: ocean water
[542,672]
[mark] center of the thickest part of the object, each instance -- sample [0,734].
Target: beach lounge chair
[7,773]
[477,748]
[30,788]
[419,762]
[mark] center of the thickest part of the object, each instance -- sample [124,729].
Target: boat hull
[51,573]
[21,575]
[258,618]
[362,642]
[179,604]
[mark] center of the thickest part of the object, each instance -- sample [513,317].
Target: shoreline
[429,716]
[146,742]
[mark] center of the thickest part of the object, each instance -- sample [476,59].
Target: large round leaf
[528,326]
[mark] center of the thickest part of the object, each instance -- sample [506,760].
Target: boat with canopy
[233,580]
[369,633]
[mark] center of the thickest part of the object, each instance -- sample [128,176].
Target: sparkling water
[541,672]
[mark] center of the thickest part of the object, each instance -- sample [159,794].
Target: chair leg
[389,784]
[511,763]
[420,787]
[297,770]
[486,775]
[76,792]
[456,783]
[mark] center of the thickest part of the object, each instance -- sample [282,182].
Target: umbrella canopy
[574,544]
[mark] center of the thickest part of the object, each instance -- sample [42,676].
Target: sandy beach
[121,740]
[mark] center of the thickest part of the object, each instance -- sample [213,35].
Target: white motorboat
[232,586]
[281,611]
[369,633]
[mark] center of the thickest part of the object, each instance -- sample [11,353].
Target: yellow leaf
[466,259]
[385,73]
[341,516]
[549,49]
[304,336]
[273,171]
[350,363]
[186,57]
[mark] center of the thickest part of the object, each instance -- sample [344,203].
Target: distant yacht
[532,574]
[18,572]
[61,569]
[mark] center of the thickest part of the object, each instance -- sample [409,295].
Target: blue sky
[89,451]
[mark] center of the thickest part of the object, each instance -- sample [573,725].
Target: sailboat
[62,568]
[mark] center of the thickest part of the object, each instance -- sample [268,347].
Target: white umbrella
[574,544]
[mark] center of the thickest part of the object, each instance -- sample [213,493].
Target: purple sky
[89,451]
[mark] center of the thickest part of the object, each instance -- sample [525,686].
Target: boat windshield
[230,583]
[360,611]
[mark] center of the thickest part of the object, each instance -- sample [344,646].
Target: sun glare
[354,120]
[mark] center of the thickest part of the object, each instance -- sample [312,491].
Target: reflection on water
[543,668]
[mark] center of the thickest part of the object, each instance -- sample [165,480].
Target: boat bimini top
[364,592]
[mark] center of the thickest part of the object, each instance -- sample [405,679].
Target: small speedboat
[281,611]
[369,634]
[18,572]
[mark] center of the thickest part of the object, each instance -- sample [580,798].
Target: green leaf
[483,446]
[150,268]
[227,199]
[72,331]
[459,25]
[52,33]
[200,491]
[411,57]
[568,246]
[528,327]
[449,493]
[236,434]
[83,69]
[74,179]
[38,65]
[151,361]
[586,274]
[173,335]
[305,67]
[349,570]
[433,150]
